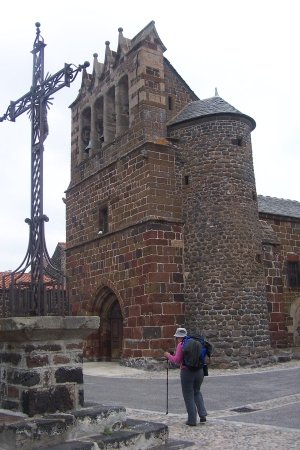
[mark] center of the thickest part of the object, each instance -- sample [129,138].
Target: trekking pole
[167,409]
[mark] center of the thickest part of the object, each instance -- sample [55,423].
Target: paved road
[221,393]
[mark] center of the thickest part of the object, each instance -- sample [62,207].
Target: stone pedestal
[41,363]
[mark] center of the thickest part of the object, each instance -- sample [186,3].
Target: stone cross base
[41,363]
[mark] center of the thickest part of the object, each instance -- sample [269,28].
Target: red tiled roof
[25,278]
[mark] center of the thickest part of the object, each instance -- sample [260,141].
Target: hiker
[191,381]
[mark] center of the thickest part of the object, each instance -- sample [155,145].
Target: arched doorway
[110,336]
[116,331]
[295,314]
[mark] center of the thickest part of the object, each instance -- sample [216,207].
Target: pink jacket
[178,357]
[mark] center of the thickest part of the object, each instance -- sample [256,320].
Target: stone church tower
[162,217]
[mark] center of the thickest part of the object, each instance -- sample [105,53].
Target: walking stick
[167,411]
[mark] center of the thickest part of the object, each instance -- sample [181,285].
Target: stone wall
[140,257]
[143,266]
[41,363]
[283,299]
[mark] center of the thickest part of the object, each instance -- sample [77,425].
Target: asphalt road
[272,397]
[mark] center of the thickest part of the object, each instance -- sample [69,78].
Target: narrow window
[186,180]
[293,274]
[98,130]
[103,220]
[170,103]
[110,116]
[122,106]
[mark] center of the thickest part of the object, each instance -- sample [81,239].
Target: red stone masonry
[280,295]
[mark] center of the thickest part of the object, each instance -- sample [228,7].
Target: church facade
[163,220]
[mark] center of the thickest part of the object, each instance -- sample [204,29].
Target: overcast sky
[248,50]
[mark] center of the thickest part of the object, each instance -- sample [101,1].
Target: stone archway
[110,336]
[295,314]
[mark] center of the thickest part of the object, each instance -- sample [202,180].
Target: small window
[238,141]
[103,220]
[170,103]
[186,180]
[293,273]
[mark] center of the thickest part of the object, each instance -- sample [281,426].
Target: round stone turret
[224,278]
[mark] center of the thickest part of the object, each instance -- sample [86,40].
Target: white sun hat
[180,332]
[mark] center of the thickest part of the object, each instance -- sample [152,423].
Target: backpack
[195,349]
[192,352]
[207,346]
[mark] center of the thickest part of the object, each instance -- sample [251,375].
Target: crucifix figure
[44,290]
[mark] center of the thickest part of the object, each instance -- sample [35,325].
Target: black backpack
[195,350]
[192,352]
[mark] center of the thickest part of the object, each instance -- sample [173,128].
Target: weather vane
[44,290]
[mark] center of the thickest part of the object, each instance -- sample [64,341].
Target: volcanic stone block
[151,332]
[13,358]
[24,377]
[41,401]
[69,375]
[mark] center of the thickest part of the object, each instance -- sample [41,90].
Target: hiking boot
[202,419]
[190,424]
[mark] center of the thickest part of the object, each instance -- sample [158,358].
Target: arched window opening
[86,130]
[98,135]
[110,116]
[122,106]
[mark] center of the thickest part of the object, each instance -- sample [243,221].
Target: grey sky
[248,50]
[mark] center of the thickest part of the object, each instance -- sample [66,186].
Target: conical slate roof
[207,107]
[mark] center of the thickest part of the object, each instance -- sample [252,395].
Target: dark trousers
[190,384]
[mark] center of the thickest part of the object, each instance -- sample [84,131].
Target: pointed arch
[104,287]
[109,306]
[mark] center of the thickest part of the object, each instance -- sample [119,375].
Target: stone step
[90,428]
[135,435]
[95,418]
[31,433]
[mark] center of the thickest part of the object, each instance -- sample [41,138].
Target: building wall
[141,255]
[283,299]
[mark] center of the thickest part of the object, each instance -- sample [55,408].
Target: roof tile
[206,107]
[278,206]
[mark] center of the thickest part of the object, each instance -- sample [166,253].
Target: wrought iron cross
[38,295]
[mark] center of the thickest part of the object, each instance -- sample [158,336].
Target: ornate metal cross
[43,291]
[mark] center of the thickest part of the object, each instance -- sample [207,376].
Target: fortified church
[164,225]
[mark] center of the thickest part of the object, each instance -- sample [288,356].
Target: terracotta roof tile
[25,278]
